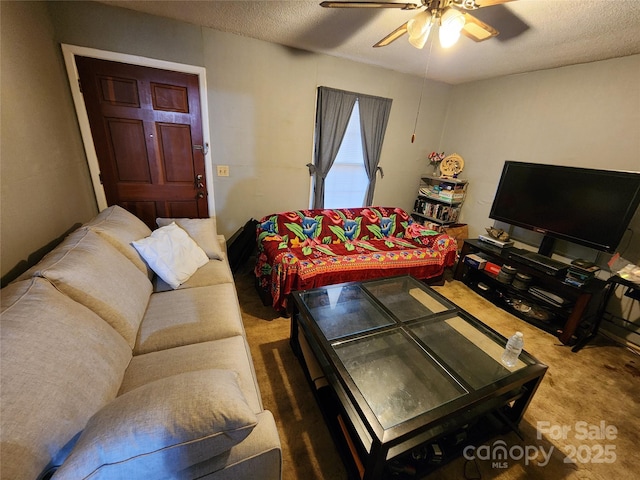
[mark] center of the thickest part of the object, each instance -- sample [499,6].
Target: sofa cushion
[54,255]
[188,316]
[230,353]
[162,427]
[172,254]
[95,274]
[202,230]
[120,227]
[60,364]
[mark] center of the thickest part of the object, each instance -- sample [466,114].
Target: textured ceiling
[535,34]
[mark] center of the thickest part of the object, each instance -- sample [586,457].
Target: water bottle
[513,349]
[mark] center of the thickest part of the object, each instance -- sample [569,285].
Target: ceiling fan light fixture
[418,28]
[451,25]
[418,24]
[420,41]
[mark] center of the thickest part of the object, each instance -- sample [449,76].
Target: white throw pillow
[172,254]
[202,230]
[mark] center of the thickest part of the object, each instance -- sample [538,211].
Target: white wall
[262,107]
[44,177]
[261,111]
[262,103]
[583,115]
[261,116]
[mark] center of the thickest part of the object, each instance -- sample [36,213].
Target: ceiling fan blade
[402,6]
[393,36]
[476,29]
[502,19]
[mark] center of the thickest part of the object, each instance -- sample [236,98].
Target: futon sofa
[304,249]
[111,370]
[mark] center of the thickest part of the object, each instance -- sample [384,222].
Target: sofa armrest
[260,452]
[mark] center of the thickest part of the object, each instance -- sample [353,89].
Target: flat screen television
[585,206]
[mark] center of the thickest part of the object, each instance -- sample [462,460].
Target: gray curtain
[374,116]
[332,116]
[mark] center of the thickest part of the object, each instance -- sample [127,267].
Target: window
[350,126]
[347,181]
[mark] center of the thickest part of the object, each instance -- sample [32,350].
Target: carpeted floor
[586,409]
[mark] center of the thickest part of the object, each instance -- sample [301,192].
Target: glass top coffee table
[404,375]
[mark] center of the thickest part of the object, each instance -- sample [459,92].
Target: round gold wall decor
[452,164]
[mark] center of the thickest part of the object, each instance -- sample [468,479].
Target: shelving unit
[562,321]
[439,200]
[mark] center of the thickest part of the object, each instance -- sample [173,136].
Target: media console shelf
[580,303]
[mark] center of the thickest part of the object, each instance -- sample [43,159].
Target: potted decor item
[434,160]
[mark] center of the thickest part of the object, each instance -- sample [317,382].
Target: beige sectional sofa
[106,372]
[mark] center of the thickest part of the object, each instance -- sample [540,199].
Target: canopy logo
[586,451]
[498,453]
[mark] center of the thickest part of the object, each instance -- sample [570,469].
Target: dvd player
[495,242]
[537,261]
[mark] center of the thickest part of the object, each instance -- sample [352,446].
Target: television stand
[566,320]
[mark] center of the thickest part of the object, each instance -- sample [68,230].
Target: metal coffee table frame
[453,399]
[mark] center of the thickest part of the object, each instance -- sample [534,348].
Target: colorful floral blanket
[304,249]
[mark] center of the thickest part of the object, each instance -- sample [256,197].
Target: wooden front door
[147,130]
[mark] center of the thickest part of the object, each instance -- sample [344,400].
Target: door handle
[204,148]
[200,195]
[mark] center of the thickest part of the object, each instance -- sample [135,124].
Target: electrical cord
[424,81]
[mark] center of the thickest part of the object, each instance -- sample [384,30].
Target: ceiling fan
[449,16]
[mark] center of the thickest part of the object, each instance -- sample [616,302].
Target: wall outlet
[223,170]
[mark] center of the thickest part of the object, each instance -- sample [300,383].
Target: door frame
[70,51]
